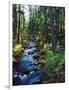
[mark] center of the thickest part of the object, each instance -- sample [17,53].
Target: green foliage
[55,64]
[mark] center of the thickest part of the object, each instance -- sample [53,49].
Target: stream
[29,71]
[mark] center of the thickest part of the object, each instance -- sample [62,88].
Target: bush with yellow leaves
[17,49]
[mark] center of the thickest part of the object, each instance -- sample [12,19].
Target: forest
[38,44]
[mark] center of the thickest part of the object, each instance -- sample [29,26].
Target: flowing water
[29,71]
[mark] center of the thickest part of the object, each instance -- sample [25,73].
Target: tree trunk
[45,26]
[14,21]
[18,24]
[53,28]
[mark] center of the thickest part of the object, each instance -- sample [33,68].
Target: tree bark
[53,28]
[18,25]
[14,21]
